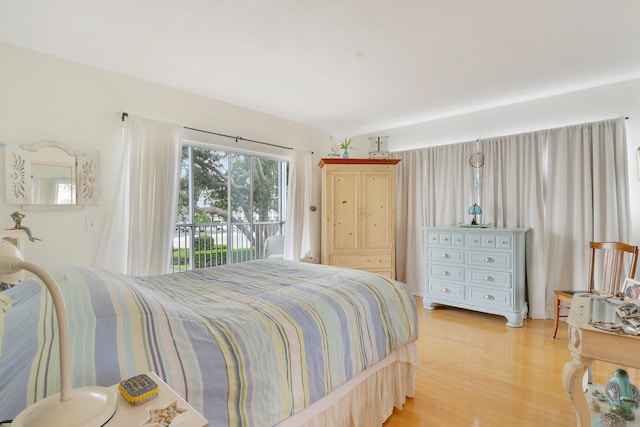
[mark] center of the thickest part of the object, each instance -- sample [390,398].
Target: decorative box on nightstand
[134,415]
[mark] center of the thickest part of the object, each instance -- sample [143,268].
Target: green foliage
[210,257]
[203,218]
[220,177]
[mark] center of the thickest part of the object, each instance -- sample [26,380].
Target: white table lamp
[80,407]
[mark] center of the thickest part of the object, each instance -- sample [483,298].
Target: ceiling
[345,66]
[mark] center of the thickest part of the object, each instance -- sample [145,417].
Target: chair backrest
[608,260]
[274,246]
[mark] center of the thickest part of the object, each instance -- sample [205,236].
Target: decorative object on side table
[623,396]
[138,389]
[345,145]
[87,406]
[163,416]
[611,420]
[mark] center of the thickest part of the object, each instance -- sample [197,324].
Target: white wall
[46,98]
[604,102]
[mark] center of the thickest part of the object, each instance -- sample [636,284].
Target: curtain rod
[237,138]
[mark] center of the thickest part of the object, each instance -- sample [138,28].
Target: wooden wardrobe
[359,214]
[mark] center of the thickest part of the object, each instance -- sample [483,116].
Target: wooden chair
[612,256]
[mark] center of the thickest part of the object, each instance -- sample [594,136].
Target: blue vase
[345,154]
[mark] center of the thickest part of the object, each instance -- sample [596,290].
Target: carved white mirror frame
[18,177]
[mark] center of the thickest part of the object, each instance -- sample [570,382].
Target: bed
[260,343]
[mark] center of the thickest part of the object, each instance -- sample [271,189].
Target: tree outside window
[229,204]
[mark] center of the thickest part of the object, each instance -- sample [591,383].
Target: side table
[586,344]
[130,415]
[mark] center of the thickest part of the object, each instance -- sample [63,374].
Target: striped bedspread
[247,344]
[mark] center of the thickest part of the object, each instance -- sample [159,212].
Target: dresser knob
[446,273]
[445,255]
[489,297]
[490,242]
[446,290]
[489,259]
[488,279]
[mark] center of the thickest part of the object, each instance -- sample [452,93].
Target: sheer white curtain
[297,238]
[432,190]
[587,198]
[138,236]
[569,185]
[514,197]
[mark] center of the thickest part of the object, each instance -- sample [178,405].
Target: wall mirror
[49,174]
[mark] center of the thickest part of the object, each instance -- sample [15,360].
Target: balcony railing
[208,245]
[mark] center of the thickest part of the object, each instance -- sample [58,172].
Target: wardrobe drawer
[490,259]
[368,262]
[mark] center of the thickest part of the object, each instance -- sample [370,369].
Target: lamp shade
[475,209]
[9,254]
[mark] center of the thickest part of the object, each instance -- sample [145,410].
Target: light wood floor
[476,371]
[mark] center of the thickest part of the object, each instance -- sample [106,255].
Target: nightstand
[129,415]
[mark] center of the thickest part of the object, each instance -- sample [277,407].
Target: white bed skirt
[368,399]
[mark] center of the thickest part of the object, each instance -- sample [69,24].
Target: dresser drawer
[504,241]
[490,259]
[446,272]
[490,241]
[490,278]
[457,239]
[489,297]
[373,261]
[446,239]
[446,255]
[446,290]
[433,238]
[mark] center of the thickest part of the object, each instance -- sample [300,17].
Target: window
[229,204]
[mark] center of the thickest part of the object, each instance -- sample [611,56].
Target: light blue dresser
[481,269]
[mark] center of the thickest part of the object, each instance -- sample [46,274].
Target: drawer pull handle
[446,273]
[488,279]
[446,290]
[504,242]
[445,255]
[489,297]
[446,240]
[490,242]
[489,259]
